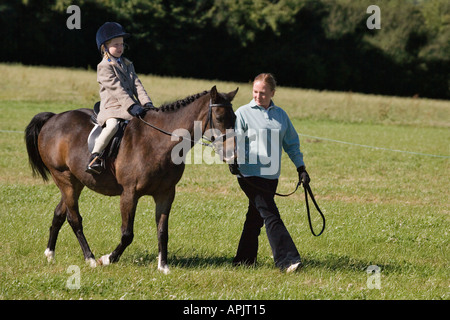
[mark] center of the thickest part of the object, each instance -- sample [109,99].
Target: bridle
[211,122]
[210,141]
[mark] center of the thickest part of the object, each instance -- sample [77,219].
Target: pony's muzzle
[226,148]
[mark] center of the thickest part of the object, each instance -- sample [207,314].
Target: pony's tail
[31,139]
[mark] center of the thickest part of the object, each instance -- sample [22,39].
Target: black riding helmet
[108,31]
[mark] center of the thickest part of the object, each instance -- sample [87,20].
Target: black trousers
[262,210]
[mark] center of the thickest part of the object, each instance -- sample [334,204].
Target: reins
[308,190]
[173,134]
[208,121]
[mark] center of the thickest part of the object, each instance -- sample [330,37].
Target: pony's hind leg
[71,189]
[75,220]
[59,217]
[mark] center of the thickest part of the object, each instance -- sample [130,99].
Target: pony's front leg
[163,206]
[128,203]
[163,239]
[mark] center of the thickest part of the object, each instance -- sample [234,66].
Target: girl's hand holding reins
[136,110]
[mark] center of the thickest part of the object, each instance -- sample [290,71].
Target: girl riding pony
[121,92]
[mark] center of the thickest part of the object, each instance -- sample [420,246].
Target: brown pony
[57,144]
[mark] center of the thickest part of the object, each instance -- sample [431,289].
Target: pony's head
[221,120]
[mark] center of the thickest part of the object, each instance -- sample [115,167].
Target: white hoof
[91,262]
[50,255]
[163,268]
[104,260]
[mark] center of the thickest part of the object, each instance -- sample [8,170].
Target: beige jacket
[120,88]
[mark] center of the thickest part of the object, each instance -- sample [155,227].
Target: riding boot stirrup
[95,164]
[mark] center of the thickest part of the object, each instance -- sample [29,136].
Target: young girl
[121,92]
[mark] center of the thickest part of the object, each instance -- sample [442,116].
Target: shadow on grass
[332,262]
[194,262]
[187,262]
[335,262]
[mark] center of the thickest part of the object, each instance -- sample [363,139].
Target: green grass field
[383,208]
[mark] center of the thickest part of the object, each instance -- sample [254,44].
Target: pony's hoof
[50,255]
[91,262]
[164,269]
[162,266]
[104,260]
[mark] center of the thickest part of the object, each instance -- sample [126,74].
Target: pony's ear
[232,94]
[213,93]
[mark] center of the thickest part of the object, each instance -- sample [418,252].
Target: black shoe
[95,164]
[249,262]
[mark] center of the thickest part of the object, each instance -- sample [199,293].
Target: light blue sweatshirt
[260,135]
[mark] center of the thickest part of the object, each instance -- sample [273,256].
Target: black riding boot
[95,164]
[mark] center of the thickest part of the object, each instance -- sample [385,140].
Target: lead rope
[308,190]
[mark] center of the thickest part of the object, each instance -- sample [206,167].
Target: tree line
[319,44]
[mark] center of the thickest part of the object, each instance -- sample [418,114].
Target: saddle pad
[95,132]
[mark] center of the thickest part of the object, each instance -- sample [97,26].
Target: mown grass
[383,208]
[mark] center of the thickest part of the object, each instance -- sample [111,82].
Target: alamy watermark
[74,281]
[74,21]
[374,277]
[253,146]
[374,21]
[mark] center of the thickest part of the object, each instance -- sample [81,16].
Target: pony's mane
[180,103]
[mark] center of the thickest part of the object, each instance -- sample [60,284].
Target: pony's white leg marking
[92,263]
[50,255]
[164,269]
[104,260]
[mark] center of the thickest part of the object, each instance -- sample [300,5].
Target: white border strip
[373,147]
[13,131]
